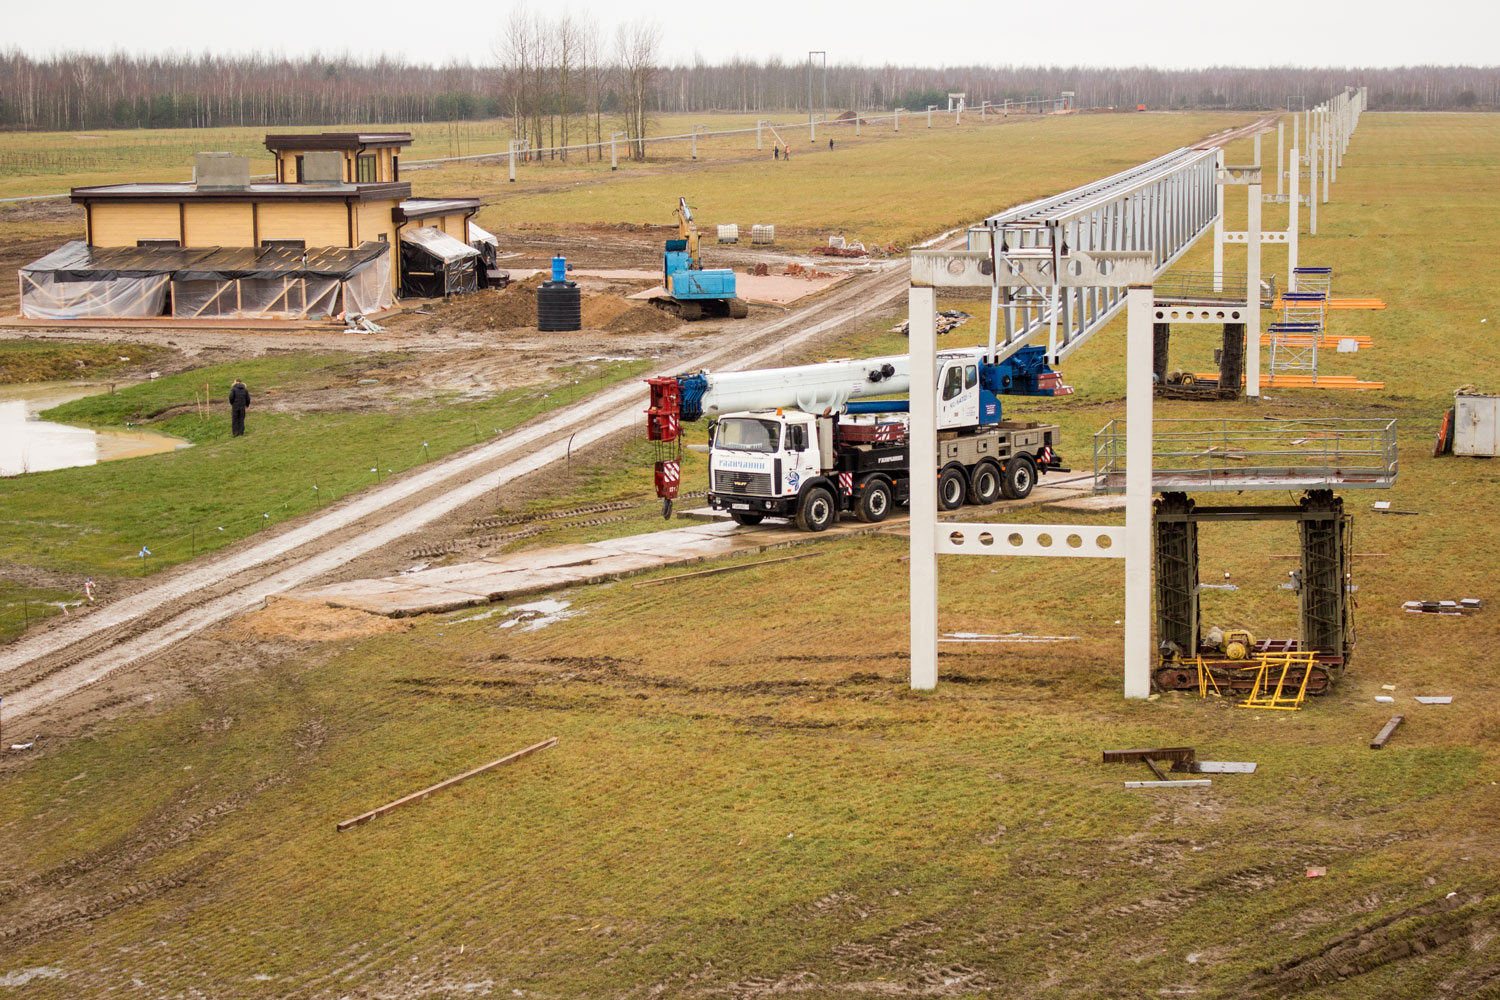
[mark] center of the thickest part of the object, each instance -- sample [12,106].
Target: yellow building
[330,192]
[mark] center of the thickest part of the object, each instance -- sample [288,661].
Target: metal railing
[1204,288]
[1224,454]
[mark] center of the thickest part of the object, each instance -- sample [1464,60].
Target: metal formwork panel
[1324,610]
[1176,561]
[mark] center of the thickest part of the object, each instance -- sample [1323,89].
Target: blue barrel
[559,269]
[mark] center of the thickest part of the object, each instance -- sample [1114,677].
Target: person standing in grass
[239,402]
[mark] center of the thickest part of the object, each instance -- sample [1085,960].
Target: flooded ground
[31,445]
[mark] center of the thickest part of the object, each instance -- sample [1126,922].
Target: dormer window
[366,169]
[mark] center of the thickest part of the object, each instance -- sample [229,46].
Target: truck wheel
[738,309]
[874,503]
[817,511]
[951,489]
[984,483]
[746,518]
[1019,477]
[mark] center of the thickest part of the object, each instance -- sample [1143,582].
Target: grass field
[198,499]
[747,801]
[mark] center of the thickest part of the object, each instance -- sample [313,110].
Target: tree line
[569,80]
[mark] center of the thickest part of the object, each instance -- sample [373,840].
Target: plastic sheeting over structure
[434,263]
[77,281]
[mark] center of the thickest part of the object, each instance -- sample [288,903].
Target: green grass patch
[49,361]
[99,519]
[22,606]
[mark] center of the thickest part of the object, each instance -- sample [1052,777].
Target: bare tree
[636,44]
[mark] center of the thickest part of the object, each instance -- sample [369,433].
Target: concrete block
[323,167]
[221,171]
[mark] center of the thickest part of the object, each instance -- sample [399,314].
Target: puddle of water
[539,614]
[31,445]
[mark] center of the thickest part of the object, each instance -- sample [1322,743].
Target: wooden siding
[319,224]
[121,224]
[219,224]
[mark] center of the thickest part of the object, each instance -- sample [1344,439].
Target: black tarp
[77,261]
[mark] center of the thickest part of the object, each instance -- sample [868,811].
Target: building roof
[254,192]
[336,140]
[427,208]
[438,244]
[77,261]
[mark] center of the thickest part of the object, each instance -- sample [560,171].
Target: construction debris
[1384,507]
[1006,637]
[1316,872]
[1385,699]
[1434,699]
[852,250]
[1215,767]
[799,271]
[417,796]
[1385,734]
[1467,605]
[1187,783]
[948,320]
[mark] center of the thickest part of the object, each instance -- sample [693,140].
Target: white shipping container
[763,235]
[729,233]
[1475,423]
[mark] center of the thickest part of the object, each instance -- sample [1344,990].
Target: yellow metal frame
[1268,695]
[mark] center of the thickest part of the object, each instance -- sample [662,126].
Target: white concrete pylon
[922,340]
[1252,293]
[1138,464]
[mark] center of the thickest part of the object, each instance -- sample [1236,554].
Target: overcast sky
[1170,34]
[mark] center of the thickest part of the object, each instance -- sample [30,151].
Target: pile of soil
[301,621]
[514,308]
[641,318]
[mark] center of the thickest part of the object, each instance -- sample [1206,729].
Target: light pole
[812,135]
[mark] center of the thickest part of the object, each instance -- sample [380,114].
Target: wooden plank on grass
[1173,754]
[1385,734]
[417,796]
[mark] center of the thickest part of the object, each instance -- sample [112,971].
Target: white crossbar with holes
[1076,540]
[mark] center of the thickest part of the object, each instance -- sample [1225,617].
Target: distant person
[88,589]
[788,156]
[830,143]
[239,402]
[776,151]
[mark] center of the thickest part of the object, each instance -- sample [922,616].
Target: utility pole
[812,135]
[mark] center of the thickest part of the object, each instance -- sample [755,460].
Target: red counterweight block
[668,475]
[664,415]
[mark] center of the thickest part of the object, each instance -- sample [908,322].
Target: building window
[395,168]
[299,169]
[382,237]
[158,243]
[284,244]
[367,166]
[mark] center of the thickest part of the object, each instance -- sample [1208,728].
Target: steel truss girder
[1160,208]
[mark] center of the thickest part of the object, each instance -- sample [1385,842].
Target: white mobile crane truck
[802,443]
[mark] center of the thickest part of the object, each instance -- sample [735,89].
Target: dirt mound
[601,310]
[301,621]
[510,308]
[641,319]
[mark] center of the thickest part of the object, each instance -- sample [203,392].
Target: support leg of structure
[1252,289]
[1324,595]
[1138,404]
[1232,359]
[1161,336]
[922,342]
[1219,227]
[1176,544]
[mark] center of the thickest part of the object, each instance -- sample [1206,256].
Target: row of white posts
[1328,129]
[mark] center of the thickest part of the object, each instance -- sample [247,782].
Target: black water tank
[559,306]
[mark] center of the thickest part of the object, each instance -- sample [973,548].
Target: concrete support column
[1312,185]
[896,118]
[758,124]
[1219,225]
[1280,157]
[922,342]
[1327,158]
[929,114]
[513,160]
[1138,462]
[1294,222]
[1252,294]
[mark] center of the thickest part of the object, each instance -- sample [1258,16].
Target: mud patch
[302,621]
